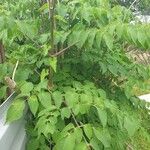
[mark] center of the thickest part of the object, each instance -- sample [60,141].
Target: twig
[37,72]
[60,52]
[14,71]
[132,4]
[49,7]
[51,4]
[75,119]
[129,8]
[78,125]
[2,53]
[37,44]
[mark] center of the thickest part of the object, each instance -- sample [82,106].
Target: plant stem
[129,9]
[78,125]
[2,53]
[13,75]
[132,4]
[61,51]
[51,4]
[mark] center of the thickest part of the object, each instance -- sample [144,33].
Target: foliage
[82,98]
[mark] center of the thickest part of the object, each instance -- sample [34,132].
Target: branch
[13,75]
[60,52]
[51,4]
[132,4]
[2,53]
[49,7]
[37,72]
[36,43]
[78,125]
[130,8]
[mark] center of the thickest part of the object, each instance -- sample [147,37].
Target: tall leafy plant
[74,74]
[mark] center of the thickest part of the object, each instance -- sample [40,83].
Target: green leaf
[102,93]
[43,39]
[15,111]
[91,37]
[65,112]
[76,109]
[57,96]
[83,108]
[69,143]
[103,136]
[131,125]
[33,144]
[86,14]
[128,90]
[141,37]
[33,104]
[4,35]
[53,63]
[68,127]
[62,10]
[59,145]
[48,129]
[28,29]
[86,98]
[102,116]
[45,99]
[99,36]
[44,73]
[111,29]
[108,40]
[41,85]
[45,127]
[3,71]
[44,147]
[72,98]
[64,37]
[22,74]
[81,146]
[78,134]
[83,37]
[133,33]
[119,30]
[3,92]
[96,144]
[74,37]
[103,67]
[43,7]
[46,111]
[26,88]
[88,130]
[113,69]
